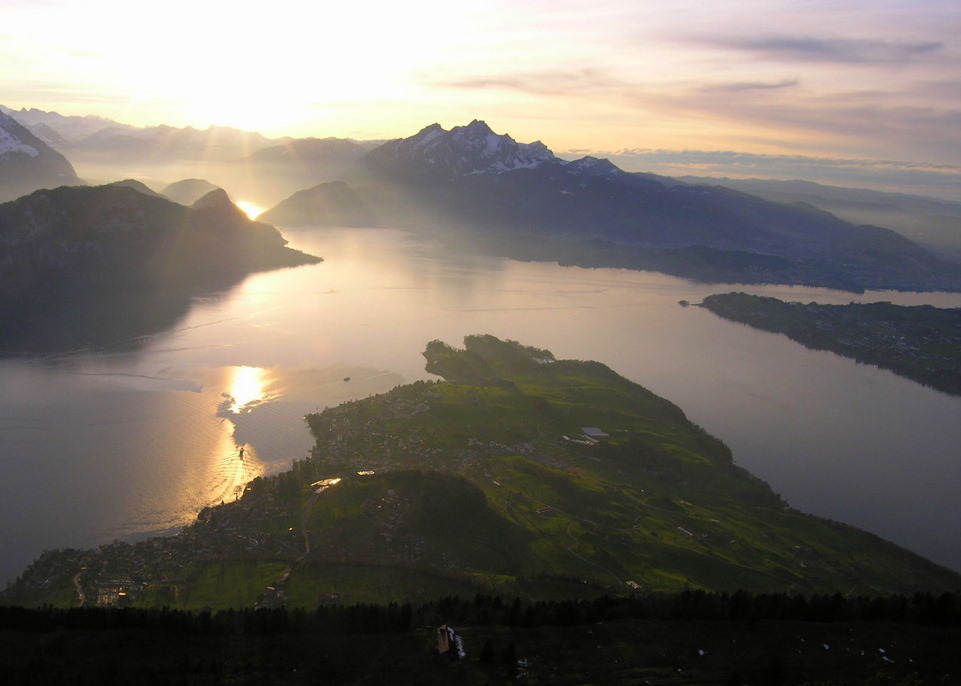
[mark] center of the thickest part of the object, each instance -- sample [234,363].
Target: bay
[102,445]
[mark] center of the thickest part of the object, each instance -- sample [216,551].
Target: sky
[866,88]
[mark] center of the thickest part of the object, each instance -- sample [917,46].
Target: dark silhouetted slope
[85,265]
[328,204]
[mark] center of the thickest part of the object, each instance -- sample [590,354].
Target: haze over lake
[99,445]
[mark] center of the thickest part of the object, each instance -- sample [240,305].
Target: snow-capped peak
[470,149]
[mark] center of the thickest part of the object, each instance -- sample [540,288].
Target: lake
[102,445]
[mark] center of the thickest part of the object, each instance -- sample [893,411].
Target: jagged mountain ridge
[63,127]
[27,163]
[100,138]
[471,149]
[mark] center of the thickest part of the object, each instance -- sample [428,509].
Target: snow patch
[427,135]
[10,143]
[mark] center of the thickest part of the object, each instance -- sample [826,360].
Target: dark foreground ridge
[687,638]
[922,343]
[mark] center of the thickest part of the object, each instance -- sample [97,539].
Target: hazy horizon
[853,93]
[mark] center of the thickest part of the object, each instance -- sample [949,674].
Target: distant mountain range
[481,191]
[27,163]
[931,222]
[93,266]
[485,191]
[105,139]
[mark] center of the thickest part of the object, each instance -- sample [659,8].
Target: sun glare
[252,210]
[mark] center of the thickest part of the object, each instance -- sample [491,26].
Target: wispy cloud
[812,48]
[547,82]
[742,86]
[778,112]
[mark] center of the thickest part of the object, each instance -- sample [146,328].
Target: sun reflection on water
[235,467]
[246,388]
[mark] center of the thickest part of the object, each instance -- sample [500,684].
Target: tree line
[489,610]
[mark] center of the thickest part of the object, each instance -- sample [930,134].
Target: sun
[285,66]
[252,210]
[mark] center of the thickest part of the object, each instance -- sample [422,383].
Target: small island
[920,342]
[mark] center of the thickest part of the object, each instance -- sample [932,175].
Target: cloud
[844,50]
[548,82]
[904,119]
[853,122]
[743,86]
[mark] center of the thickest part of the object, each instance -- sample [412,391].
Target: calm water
[101,446]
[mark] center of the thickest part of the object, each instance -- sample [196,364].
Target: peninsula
[921,342]
[519,475]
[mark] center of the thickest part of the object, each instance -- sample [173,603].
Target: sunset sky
[867,86]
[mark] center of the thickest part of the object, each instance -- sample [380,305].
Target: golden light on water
[246,387]
[252,210]
[324,484]
[230,469]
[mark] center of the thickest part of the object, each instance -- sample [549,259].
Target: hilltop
[519,475]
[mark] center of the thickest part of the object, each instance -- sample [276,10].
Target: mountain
[523,201]
[27,163]
[100,265]
[518,475]
[327,204]
[188,191]
[464,150]
[931,222]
